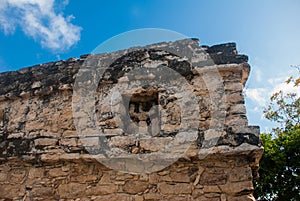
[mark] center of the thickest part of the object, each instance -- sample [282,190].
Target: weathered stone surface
[71,190]
[235,188]
[211,189]
[102,189]
[12,191]
[72,142]
[213,178]
[57,172]
[225,53]
[45,142]
[135,187]
[240,174]
[177,188]
[49,153]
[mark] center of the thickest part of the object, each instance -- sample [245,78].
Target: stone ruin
[161,122]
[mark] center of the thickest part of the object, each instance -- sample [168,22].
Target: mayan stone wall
[161,122]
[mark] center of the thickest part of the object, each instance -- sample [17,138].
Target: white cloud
[286,88]
[279,84]
[260,96]
[39,20]
[277,80]
[257,95]
[257,73]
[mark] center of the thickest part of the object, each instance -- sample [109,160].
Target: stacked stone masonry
[144,146]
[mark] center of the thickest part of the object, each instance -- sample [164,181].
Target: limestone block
[234,188]
[71,190]
[102,189]
[152,196]
[233,98]
[88,141]
[15,135]
[155,143]
[57,172]
[119,196]
[143,127]
[240,174]
[135,187]
[138,198]
[234,86]
[11,191]
[68,142]
[35,173]
[105,179]
[175,188]
[213,179]
[177,177]
[70,133]
[34,125]
[122,141]
[42,192]
[116,131]
[36,85]
[45,142]
[211,189]
[3,177]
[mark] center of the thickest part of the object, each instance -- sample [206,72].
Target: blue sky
[35,31]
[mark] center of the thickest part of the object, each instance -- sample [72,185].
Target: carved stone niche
[144,112]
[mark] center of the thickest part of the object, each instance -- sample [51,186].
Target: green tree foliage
[280,165]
